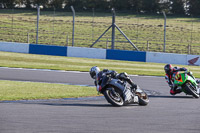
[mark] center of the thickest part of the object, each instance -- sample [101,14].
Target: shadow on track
[77,104]
[80,104]
[160,96]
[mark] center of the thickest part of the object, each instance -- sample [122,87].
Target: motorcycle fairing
[181,78]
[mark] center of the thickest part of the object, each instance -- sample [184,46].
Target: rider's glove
[188,72]
[113,74]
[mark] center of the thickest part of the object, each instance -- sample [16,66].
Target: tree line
[177,7]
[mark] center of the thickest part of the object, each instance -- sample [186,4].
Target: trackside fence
[56,28]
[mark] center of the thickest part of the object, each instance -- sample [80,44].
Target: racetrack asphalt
[164,113]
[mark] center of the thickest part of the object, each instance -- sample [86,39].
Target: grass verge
[8,59]
[15,90]
[11,90]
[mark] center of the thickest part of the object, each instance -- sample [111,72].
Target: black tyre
[191,89]
[114,98]
[143,98]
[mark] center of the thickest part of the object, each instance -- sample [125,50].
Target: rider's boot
[175,90]
[172,92]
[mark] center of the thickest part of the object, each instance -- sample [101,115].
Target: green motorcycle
[187,84]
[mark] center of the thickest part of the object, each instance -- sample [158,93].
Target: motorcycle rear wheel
[114,99]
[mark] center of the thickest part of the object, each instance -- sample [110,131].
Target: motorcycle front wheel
[190,88]
[113,97]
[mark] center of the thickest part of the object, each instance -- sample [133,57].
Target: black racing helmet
[168,69]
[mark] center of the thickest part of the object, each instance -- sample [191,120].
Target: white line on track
[63,71]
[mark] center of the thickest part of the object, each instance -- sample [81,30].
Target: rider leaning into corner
[98,75]
[170,70]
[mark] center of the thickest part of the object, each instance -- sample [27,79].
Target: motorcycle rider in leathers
[98,75]
[169,70]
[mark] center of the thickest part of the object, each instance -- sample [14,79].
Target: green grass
[54,29]
[12,90]
[15,90]
[20,60]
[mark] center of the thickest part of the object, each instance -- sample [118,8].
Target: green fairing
[179,83]
[184,78]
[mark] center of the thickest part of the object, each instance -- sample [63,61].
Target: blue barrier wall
[126,55]
[157,57]
[47,50]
